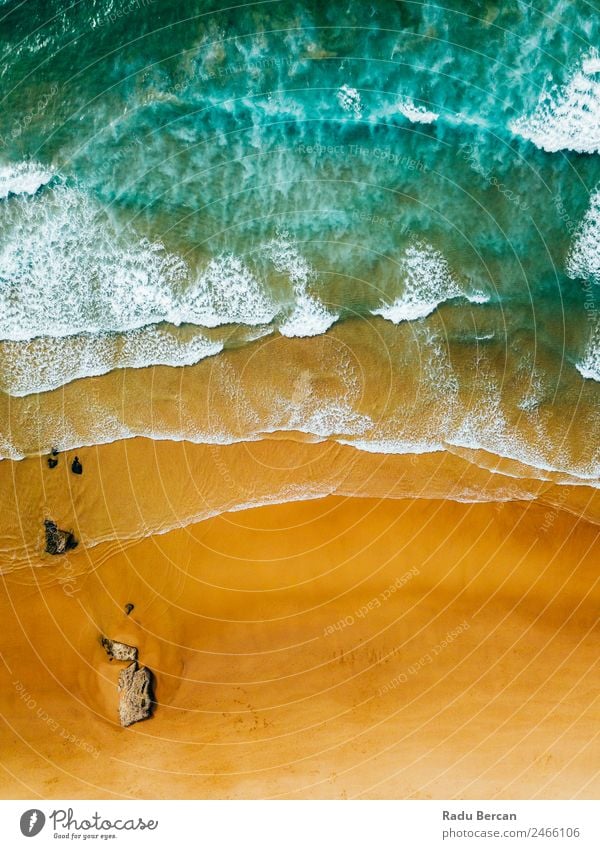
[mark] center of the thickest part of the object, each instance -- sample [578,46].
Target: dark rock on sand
[136,700]
[129,607]
[76,467]
[119,651]
[57,540]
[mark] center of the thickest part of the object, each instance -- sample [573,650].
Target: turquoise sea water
[170,170]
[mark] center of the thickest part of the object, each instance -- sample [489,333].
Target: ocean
[300,403]
[373,224]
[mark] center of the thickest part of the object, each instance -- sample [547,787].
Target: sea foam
[415,113]
[567,117]
[67,269]
[23,178]
[584,256]
[394,446]
[226,292]
[428,282]
[589,365]
[350,101]
[309,316]
[45,363]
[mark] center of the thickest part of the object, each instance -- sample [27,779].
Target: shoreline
[276,637]
[135,488]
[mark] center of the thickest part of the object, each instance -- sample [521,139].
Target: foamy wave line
[293,493]
[394,446]
[589,366]
[583,259]
[309,317]
[23,178]
[428,282]
[350,100]
[323,428]
[46,363]
[416,113]
[305,491]
[65,269]
[527,456]
[567,117]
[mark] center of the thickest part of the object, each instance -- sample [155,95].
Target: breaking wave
[584,255]
[589,365]
[428,282]
[567,117]
[23,178]
[45,363]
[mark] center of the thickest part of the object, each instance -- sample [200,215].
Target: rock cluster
[57,540]
[136,699]
[135,687]
[119,651]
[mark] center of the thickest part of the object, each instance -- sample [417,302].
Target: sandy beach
[299,406]
[330,648]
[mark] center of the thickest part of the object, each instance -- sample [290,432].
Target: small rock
[76,467]
[58,541]
[135,687]
[129,607]
[119,651]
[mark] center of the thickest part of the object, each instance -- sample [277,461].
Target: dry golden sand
[287,667]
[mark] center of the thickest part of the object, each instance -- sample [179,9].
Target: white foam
[591,64]
[484,427]
[534,390]
[66,269]
[589,366]
[45,363]
[350,100]
[323,418]
[309,316]
[415,113]
[584,256]
[529,403]
[428,282]
[286,257]
[407,308]
[441,381]
[330,419]
[226,292]
[23,178]
[477,297]
[567,117]
[393,446]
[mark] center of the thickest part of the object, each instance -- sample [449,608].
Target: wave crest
[567,117]
[23,178]
[429,281]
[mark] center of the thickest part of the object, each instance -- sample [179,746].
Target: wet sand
[334,648]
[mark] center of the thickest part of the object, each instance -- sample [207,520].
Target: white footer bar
[298,825]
